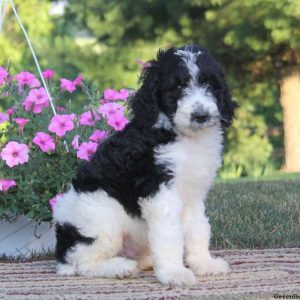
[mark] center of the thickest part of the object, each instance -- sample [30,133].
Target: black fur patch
[67,236]
[124,166]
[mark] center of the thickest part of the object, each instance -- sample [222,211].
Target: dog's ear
[213,75]
[226,104]
[144,103]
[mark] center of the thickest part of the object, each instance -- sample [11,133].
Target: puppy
[139,202]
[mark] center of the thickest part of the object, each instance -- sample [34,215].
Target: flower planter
[25,237]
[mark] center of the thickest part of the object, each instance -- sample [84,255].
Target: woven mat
[256,274]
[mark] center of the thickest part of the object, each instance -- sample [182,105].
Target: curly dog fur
[139,201]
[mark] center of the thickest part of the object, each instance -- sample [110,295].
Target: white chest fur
[193,161]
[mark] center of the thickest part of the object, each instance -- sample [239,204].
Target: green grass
[32,257]
[278,175]
[255,214]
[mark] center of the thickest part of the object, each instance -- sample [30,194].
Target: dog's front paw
[209,266]
[126,268]
[176,277]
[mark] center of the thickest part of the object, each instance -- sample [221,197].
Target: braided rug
[255,274]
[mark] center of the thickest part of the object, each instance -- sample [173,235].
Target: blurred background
[257,42]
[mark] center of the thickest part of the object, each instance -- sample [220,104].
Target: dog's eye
[178,87]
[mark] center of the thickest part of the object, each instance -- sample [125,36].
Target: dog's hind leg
[101,258]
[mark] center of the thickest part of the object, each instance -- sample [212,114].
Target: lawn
[255,214]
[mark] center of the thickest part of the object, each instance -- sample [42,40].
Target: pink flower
[78,80]
[26,78]
[110,108]
[68,85]
[48,74]
[73,116]
[44,141]
[86,150]
[60,124]
[87,118]
[36,100]
[123,94]
[75,142]
[60,108]
[3,75]
[21,123]
[98,135]
[10,111]
[110,94]
[117,121]
[3,117]
[53,201]
[6,184]
[144,65]
[15,154]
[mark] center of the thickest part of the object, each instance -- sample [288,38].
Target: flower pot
[24,237]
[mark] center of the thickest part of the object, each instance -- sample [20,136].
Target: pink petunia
[44,141]
[86,150]
[26,78]
[123,94]
[78,80]
[75,142]
[53,201]
[68,85]
[117,121]
[21,123]
[48,74]
[110,94]
[87,118]
[98,136]
[61,124]
[36,100]
[6,184]
[5,94]
[73,116]
[60,108]
[97,116]
[110,108]
[10,111]
[4,117]
[144,65]
[3,75]
[15,154]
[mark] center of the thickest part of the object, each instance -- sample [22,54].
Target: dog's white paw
[128,268]
[209,266]
[65,269]
[176,277]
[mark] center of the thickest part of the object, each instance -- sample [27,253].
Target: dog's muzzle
[199,117]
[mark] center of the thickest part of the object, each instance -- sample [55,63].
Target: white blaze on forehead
[190,60]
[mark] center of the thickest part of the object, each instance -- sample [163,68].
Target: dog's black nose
[199,117]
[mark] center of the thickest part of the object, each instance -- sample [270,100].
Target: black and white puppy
[139,201]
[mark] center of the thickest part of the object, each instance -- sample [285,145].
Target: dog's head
[184,89]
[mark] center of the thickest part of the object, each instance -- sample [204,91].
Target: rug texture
[255,274]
